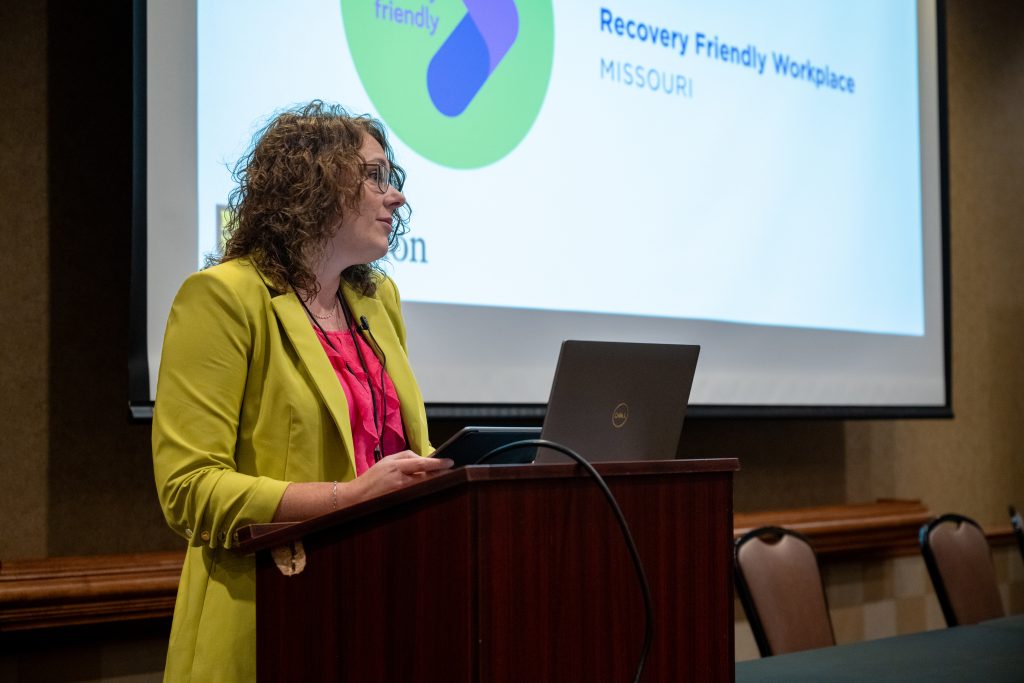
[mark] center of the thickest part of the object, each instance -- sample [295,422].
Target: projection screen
[765,179]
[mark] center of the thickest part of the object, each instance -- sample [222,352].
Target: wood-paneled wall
[24,271]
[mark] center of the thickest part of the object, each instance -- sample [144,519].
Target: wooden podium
[506,573]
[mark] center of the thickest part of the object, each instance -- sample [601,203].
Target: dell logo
[620,415]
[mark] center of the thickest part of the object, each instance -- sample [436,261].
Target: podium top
[258,537]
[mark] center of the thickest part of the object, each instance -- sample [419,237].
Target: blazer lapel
[397,364]
[295,322]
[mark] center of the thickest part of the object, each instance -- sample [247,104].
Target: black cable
[378,452]
[383,367]
[627,536]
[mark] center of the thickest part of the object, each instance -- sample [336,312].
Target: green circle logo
[459,81]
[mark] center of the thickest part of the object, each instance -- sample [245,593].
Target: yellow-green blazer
[247,402]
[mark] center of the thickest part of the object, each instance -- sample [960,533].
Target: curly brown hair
[285,206]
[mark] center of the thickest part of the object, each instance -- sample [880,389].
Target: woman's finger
[419,464]
[403,455]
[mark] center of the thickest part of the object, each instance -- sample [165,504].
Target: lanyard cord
[378,426]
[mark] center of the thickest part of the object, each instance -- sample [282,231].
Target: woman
[285,390]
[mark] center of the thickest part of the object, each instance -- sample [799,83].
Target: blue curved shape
[498,23]
[458,69]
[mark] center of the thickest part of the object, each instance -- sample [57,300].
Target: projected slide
[734,162]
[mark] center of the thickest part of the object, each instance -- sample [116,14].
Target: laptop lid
[619,401]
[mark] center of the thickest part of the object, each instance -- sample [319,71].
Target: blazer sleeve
[207,349]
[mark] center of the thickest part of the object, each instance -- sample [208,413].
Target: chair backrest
[960,564]
[1018,528]
[780,586]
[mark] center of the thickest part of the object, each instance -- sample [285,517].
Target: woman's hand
[394,472]
[304,500]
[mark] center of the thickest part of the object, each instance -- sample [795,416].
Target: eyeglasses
[383,176]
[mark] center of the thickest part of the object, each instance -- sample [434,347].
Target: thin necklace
[331,314]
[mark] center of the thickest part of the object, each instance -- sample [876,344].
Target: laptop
[619,401]
[609,401]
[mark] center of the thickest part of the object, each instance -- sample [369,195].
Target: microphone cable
[363,326]
[623,526]
[350,323]
[378,452]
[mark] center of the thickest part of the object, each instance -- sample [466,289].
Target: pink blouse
[365,430]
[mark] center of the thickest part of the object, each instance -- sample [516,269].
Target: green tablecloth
[990,652]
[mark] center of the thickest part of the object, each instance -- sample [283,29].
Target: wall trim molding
[69,591]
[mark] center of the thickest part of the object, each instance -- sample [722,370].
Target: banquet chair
[779,584]
[959,563]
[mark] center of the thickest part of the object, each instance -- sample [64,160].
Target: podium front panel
[560,600]
[515,573]
[384,600]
